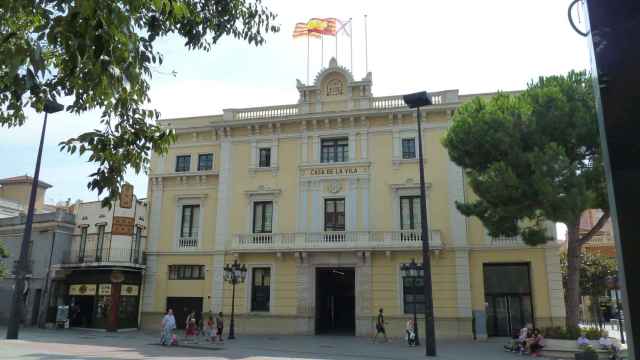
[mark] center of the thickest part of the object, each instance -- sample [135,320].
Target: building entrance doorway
[81,311]
[335,301]
[508,298]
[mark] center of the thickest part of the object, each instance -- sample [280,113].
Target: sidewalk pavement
[36,344]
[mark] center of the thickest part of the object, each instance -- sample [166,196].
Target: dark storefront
[102,298]
[507,290]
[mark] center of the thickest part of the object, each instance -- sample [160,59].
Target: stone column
[364,312]
[223,233]
[305,310]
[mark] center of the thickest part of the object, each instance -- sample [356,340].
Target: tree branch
[603,219]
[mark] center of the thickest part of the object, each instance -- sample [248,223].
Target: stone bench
[565,349]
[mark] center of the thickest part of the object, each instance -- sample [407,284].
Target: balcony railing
[188,242]
[106,255]
[328,240]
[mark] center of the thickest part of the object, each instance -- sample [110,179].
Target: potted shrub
[588,353]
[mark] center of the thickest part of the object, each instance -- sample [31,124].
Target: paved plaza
[85,344]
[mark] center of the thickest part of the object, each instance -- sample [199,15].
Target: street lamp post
[612,284]
[20,268]
[413,271]
[415,101]
[234,274]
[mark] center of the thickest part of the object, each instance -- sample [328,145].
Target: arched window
[334,88]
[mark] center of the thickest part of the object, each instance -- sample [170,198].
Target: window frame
[262,204]
[82,247]
[264,290]
[178,167]
[334,150]
[191,227]
[413,222]
[210,162]
[335,226]
[267,162]
[100,232]
[135,245]
[179,272]
[408,154]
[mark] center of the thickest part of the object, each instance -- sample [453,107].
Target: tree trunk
[573,275]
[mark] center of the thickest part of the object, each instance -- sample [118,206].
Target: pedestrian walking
[411,333]
[168,325]
[380,326]
[191,325]
[209,329]
[219,325]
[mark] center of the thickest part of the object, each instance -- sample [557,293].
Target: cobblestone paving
[36,344]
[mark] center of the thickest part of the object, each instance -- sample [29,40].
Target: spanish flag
[316,27]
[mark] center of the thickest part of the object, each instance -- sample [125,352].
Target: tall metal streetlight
[21,266]
[612,284]
[413,271]
[234,274]
[415,101]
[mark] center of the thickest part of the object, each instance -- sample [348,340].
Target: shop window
[413,295]
[334,150]
[183,163]
[205,162]
[260,289]
[186,272]
[409,148]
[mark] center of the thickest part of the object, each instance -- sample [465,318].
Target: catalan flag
[316,27]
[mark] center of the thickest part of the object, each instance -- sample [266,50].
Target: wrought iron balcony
[335,240]
[106,255]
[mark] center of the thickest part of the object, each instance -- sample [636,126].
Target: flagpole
[351,44]
[321,51]
[307,57]
[337,35]
[366,49]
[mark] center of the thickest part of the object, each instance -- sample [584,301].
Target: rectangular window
[265,157]
[100,243]
[410,212]
[186,272]
[260,289]
[262,216]
[135,245]
[190,219]
[334,215]
[205,162]
[334,150]
[82,248]
[409,148]
[413,295]
[183,163]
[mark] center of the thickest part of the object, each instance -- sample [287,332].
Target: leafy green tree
[532,157]
[594,270]
[99,54]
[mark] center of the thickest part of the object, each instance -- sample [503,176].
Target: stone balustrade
[329,240]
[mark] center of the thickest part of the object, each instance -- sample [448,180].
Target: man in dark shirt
[380,326]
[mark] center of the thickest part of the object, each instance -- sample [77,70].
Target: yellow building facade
[319,199]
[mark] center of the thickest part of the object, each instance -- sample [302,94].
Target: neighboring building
[320,200]
[101,277]
[602,242]
[50,238]
[15,193]
[50,241]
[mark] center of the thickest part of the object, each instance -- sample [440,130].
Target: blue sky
[474,46]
